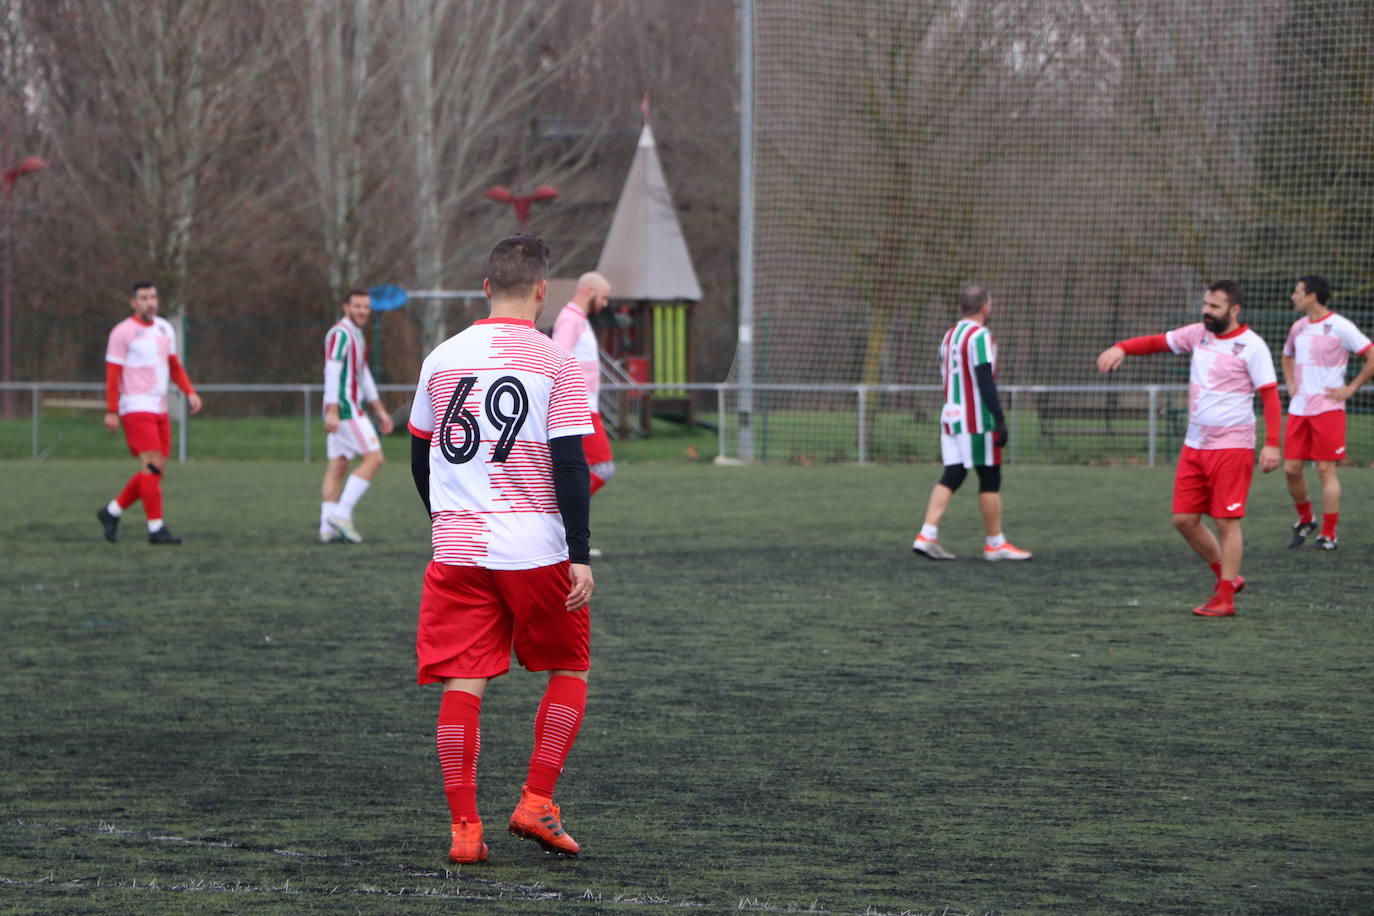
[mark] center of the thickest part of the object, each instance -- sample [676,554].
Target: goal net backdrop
[1093,162]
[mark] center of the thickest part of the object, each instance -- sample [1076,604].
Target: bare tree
[477,73]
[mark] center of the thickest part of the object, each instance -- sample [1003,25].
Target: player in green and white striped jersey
[349,433]
[972,429]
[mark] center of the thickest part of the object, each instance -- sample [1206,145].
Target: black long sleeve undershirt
[571,488]
[419,467]
[987,389]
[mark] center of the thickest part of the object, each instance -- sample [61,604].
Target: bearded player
[572,330]
[496,453]
[1230,363]
[140,360]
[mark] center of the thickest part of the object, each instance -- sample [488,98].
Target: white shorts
[969,449]
[355,437]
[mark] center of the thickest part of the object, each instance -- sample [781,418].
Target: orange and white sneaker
[1008,551]
[467,846]
[537,818]
[929,547]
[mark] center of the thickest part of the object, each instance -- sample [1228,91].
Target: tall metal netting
[1093,162]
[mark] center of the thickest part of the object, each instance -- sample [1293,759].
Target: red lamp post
[503,195]
[28,165]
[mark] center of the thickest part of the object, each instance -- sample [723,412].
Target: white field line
[495,891]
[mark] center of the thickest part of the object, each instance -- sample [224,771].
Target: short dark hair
[516,265]
[1317,286]
[356,292]
[141,284]
[972,298]
[1230,287]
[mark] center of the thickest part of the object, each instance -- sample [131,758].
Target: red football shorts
[597,445]
[1214,481]
[1320,437]
[147,432]
[471,617]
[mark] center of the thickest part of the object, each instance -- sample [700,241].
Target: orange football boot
[537,818]
[467,843]
[1217,607]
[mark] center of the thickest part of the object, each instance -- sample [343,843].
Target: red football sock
[459,738]
[1216,570]
[555,730]
[150,488]
[1304,511]
[129,495]
[597,483]
[1329,521]
[1226,590]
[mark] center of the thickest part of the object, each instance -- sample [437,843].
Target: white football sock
[353,491]
[930,532]
[997,540]
[114,508]
[154,525]
[326,510]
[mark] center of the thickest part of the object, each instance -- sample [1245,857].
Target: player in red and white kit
[140,360]
[496,452]
[1315,357]
[572,331]
[1230,363]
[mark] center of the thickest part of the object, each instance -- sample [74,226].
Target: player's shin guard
[150,490]
[459,739]
[129,495]
[555,730]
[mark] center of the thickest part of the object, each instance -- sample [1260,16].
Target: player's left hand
[384,422]
[1000,435]
[1342,393]
[1269,458]
[194,401]
[580,590]
[1110,359]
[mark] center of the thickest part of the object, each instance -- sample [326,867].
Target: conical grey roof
[645,255]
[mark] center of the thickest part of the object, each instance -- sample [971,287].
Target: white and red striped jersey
[1321,351]
[572,331]
[489,400]
[347,379]
[144,351]
[966,345]
[1226,372]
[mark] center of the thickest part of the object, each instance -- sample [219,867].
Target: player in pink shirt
[1230,363]
[572,330]
[1315,357]
[497,426]
[140,360]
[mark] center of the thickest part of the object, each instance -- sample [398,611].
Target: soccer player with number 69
[496,453]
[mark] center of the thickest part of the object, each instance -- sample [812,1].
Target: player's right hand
[1110,359]
[580,589]
[111,422]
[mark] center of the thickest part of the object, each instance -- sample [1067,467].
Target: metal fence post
[305,419]
[720,421]
[863,424]
[181,429]
[33,408]
[1012,430]
[1153,408]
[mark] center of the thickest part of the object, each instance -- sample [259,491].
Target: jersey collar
[522,322]
[1239,330]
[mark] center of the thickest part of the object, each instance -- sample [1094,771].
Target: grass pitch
[788,710]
